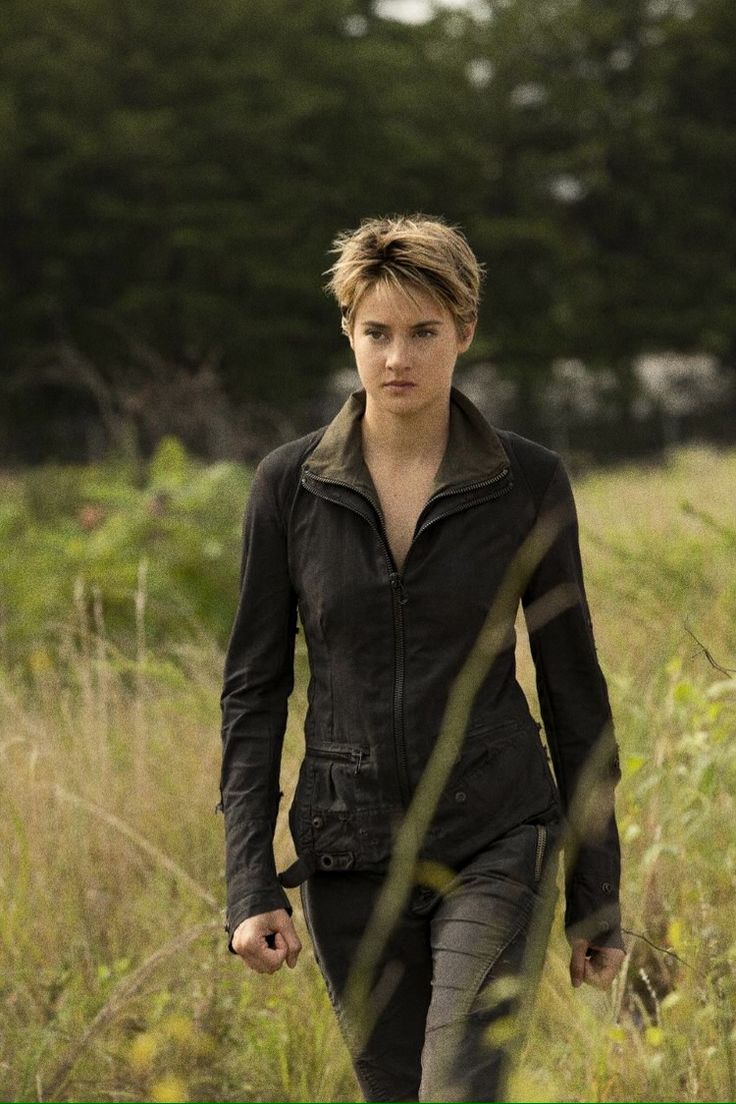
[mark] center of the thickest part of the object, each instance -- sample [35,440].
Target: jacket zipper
[398,599]
[399,596]
[541,841]
[462,490]
[348,755]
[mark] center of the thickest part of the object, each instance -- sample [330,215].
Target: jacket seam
[537,503]
[295,474]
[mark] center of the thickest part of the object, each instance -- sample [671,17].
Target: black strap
[298,872]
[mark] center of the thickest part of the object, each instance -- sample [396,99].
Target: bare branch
[728,671]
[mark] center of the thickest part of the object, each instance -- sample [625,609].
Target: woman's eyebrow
[416,326]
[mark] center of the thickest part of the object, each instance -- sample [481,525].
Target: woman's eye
[380,335]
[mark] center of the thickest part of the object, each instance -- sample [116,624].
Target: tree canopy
[173,176]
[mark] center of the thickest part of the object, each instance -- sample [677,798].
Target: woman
[400,532]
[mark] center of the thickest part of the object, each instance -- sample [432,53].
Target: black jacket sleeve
[258,678]
[577,719]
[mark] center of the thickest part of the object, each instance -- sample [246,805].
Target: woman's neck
[418,438]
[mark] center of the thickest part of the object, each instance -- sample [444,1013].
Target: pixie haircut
[406,252]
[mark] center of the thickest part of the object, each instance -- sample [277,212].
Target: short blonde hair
[406,252]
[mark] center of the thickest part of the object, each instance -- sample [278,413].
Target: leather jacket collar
[474,452]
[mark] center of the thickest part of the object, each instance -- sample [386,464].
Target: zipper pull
[358,760]
[398,584]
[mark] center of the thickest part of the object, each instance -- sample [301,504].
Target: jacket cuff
[593,912]
[263,900]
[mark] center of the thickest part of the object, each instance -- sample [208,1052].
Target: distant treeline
[172,176]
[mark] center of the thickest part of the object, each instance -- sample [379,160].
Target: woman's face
[405,348]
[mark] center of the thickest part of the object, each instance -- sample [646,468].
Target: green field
[117,591]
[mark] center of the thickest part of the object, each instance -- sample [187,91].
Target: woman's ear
[466,336]
[346,325]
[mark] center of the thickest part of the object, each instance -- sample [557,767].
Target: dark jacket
[384,649]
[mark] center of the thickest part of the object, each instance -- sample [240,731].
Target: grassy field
[114,977]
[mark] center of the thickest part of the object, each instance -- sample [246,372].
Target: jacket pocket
[337,817]
[483,743]
[502,780]
[338,753]
[515,738]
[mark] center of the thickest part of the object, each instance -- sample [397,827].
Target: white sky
[414,11]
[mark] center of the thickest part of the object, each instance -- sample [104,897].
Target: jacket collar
[474,452]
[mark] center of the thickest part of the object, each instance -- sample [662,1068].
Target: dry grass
[114,979]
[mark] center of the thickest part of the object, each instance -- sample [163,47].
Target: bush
[151,554]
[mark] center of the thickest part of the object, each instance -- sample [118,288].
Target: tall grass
[114,978]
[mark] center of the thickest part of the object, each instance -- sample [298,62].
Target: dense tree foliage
[172,177]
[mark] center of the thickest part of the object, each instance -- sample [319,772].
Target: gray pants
[445,986]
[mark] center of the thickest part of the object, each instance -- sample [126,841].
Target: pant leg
[479,938]
[336,910]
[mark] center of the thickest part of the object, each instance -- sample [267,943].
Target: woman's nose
[398,354]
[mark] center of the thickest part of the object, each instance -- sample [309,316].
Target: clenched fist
[266,941]
[596,966]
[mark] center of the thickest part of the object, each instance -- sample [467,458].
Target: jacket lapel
[474,452]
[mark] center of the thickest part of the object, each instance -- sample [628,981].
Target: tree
[609,179]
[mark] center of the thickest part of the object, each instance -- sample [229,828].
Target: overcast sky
[415,11]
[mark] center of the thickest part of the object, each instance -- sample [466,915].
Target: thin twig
[662,950]
[728,671]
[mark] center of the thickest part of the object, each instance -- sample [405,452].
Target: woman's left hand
[596,966]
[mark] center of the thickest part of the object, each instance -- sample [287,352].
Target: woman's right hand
[266,956]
